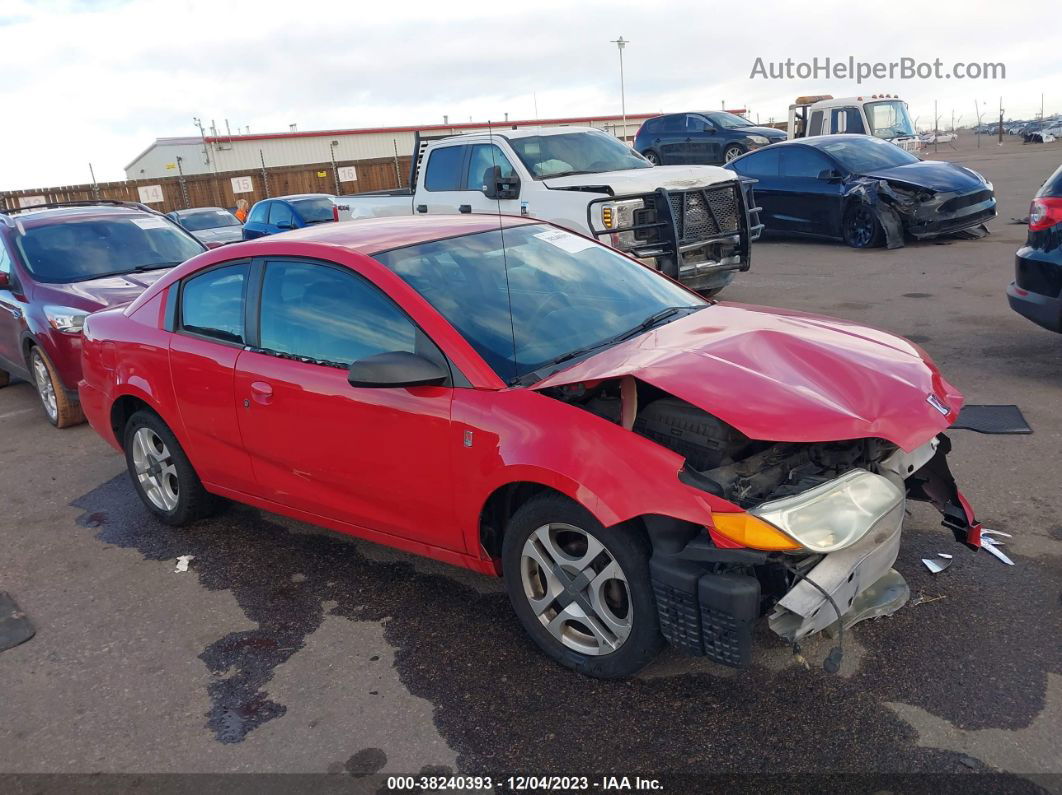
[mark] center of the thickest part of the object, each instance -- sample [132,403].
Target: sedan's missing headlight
[834,515]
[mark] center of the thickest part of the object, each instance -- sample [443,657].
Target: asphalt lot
[287,649]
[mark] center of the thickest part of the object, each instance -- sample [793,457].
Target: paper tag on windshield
[565,241]
[150,223]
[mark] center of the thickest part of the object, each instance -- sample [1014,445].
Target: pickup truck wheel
[5,378]
[161,472]
[862,228]
[732,152]
[652,157]
[61,411]
[581,590]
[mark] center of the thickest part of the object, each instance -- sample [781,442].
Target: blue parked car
[714,136]
[270,216]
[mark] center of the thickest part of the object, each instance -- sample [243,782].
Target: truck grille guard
[676,222]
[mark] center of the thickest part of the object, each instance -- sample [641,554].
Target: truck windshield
[575,153]
[207,219]
[546,294]
[889,119]
[77,250]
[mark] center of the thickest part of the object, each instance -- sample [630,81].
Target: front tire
[862,229]
[61,411]
[161,472]
[581,590]
[732,152]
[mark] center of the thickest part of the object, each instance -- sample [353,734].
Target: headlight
[836,514]
[762,140]
[620,215]
[66,319]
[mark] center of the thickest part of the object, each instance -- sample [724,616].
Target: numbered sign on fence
[347,174]
[150,194]
[242,185]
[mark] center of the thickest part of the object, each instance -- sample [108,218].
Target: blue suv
[714,136]
[270,216]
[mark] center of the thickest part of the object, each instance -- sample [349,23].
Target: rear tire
[861,227]
[59,408]
[161,472]
[5,378]
[652,157]
[581,590]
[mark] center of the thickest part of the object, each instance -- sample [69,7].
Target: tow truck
[881,115]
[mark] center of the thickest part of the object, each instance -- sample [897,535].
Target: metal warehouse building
[168,157]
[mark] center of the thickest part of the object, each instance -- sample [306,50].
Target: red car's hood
[785,376]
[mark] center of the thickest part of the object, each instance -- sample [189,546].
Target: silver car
[211,226]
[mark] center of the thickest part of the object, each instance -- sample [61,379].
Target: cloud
[98,81]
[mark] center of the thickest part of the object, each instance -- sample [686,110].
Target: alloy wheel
[43,380]
[576,589]
[731,154]
[155,469]
[653,158]
[860,228]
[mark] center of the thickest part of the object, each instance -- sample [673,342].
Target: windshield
[728,121]
[73,250]
[547,294]
[208,219]
[860,154]
[575,153]
[889,119]
[314,211]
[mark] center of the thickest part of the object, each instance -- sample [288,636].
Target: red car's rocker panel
[706,466]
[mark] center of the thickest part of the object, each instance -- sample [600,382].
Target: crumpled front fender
[934,483]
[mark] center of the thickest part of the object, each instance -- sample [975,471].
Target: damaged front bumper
[709,597]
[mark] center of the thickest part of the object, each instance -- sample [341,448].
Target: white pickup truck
[694,223]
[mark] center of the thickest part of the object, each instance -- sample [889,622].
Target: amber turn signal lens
[751,532]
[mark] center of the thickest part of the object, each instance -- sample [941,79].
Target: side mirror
[285,225]
[396,369]
[495,186]
[830,175]
[709,129]
[5,281]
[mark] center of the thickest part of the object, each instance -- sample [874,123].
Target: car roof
[373,235]
[291,196]
[194,210]
[49,215]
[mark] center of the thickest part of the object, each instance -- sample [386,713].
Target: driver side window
[329,315]
[485,156]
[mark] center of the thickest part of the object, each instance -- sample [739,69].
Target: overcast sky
[99,81]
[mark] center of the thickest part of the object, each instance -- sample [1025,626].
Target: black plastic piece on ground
[15,627]
[992,419]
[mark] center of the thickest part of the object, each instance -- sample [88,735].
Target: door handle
[422,208]
[465,208]
[261,392]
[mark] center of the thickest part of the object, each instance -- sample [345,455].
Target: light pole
[620,44]
[335,172]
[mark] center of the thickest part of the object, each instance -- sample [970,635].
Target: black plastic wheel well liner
[499,508]
[121,410]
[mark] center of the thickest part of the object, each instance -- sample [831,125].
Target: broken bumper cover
[709,598]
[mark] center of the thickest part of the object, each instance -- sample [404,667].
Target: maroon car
[58,263]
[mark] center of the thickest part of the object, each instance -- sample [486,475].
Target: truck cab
[692,222]
[881,115]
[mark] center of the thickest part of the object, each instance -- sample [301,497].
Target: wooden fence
[219,190]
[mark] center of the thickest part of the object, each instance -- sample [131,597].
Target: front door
[378,458]
[11,309]
[481,160]
[809,197]
[441,190]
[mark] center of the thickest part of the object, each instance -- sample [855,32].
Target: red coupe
[639,463]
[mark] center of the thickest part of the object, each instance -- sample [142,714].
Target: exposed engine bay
[709,596]
[720,459]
